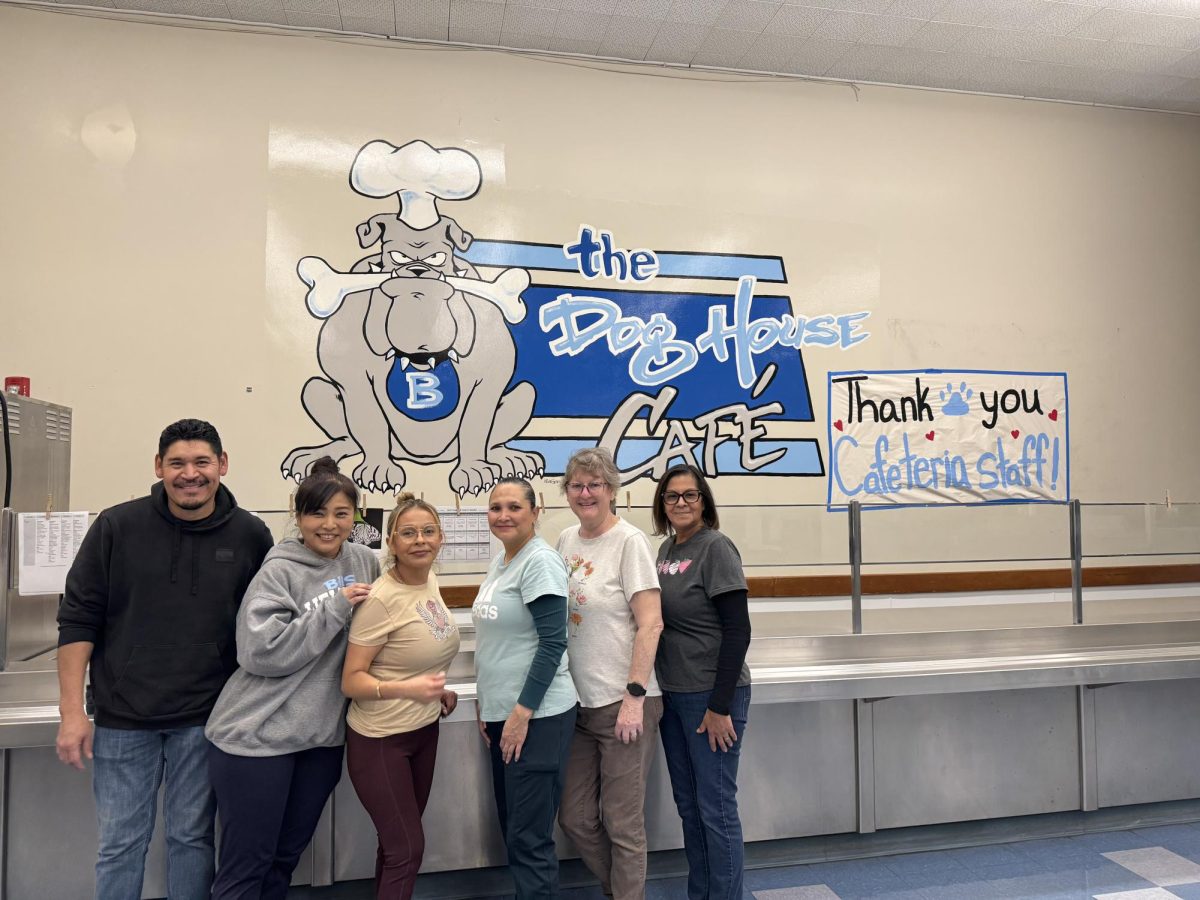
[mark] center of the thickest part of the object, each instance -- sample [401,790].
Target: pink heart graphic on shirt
[683,565]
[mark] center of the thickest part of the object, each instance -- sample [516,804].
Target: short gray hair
[595,461]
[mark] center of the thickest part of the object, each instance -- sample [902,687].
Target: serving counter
[847,733]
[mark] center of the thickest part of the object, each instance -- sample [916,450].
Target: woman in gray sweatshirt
[278,730]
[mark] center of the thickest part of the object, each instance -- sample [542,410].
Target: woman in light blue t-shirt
[526,700]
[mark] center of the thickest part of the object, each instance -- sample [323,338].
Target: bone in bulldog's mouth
[422,360]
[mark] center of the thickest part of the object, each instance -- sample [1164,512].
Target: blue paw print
[957,404]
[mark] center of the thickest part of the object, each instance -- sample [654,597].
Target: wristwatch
[635,690]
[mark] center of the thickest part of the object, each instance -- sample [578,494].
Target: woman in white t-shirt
[402,641]
[613,623]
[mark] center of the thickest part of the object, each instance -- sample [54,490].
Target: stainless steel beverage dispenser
[35,475]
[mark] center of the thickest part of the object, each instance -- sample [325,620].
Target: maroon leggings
[392,776]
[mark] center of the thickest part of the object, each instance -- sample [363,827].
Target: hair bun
[405,497]
[324,466]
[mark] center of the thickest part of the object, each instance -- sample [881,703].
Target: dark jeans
[704,783]
[528,792]
[392,776]
[268,807]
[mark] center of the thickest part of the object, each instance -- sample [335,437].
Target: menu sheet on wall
[48,544]
[467,538]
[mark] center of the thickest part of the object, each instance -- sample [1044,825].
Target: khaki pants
[603,805]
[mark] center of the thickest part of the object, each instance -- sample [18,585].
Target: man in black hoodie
[151,603]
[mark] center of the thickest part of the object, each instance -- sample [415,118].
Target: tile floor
[1157,863]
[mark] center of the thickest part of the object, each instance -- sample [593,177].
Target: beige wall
[160,183]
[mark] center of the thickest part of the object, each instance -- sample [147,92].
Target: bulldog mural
[415,349]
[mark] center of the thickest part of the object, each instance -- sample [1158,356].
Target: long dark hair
[321,484]
[708,514]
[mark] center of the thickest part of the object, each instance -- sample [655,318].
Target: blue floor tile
[913,863]
[1056,850]
[1107,841]
[1186,891]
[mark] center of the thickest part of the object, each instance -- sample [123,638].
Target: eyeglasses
[670,498]
[408,535]
[593,487]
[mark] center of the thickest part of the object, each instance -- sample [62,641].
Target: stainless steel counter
[861,732]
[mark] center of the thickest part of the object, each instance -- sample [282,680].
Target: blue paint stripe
[551,257]
[801,457]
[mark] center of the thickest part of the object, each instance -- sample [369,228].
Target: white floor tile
[807,892]
[1158,865]
[1143,894]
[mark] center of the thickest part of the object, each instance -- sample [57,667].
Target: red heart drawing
[1054,415]
[929,435]
[838,424]
[1015,433]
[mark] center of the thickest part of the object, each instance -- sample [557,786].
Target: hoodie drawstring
[175,546]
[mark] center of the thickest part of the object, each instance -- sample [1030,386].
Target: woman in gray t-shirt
[701,667]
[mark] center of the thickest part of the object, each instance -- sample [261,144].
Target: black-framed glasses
[670,498]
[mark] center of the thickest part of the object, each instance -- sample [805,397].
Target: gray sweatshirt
[286,695]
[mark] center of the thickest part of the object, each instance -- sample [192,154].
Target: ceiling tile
[1140,28]
[1189,91]
[475,15]
[966,12]
[1016,14]
[521,40]
[747,15]
[625,31]
[485,37]
[205,9]
[1140,58]
[321,7]
[800,20]
[600,7]
[871,6]
[422,15]
[917,9]
[676,42]
[1003,42]
[423,31]
[939,36]
[842,26]
[1066,51]
[569,45]
[369,24]
[865,62]
[1062,18]
[723,47]
[622,51]
[579,26]
[771,52]
[258,11]
[695,12]
[368,9]
[1188,66]
[816,56]
[889,31]
[1169,7]
[530,20]
[314,20]
[642,9]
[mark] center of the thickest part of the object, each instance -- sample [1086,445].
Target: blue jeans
[704,783]
[128,767]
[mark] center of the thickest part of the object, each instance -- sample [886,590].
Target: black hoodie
[158,597]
